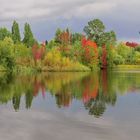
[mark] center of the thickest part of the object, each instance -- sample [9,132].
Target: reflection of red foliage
[132,44]
[43,90]
[37,87]
[88,45]
[104,57]
[104,81]
[90,93]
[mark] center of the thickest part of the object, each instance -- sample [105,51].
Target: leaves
[28,40]
[16,33]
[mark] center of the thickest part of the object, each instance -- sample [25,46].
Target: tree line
[67,51]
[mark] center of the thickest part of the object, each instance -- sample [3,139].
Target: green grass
[127,67]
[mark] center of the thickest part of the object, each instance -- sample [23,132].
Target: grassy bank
[127,67]
[28,70]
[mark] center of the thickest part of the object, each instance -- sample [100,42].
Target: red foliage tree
[38,53]
[65,38]
[90,51]
[132,44]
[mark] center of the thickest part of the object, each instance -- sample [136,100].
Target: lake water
[70,106]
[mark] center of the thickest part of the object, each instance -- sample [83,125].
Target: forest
[95,49]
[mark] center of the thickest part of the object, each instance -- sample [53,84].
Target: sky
[45,16]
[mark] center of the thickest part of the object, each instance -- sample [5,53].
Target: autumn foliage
[38,52]
[90,93]
[90,51]
[65,38]
[132,44]
[38,86]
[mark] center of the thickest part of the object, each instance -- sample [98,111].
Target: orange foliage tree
[90,52]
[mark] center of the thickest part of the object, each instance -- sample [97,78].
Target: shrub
[54,61]
[22,55]
[118,59]
[6,56]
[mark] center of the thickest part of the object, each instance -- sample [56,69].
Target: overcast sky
[45,16]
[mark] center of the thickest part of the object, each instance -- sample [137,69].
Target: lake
[101,105]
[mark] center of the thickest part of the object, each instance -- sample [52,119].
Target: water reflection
[95,90]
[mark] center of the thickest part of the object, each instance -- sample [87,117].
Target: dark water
[61,106]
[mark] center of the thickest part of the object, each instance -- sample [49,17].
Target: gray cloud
[119,15]
[22,9]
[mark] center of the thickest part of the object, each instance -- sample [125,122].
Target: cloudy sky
[45,16]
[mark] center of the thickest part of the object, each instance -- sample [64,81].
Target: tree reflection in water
[95,90]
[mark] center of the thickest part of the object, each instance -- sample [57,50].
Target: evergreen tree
[28,36]
[15,32]
[57,35]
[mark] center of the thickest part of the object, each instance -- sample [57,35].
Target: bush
[137,58]
[22,54]
[51,44]
[6,55]
[126,52]
[54,61]
[76,51]
[118,59]
[137,48]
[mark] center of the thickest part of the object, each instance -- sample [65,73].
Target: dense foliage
[15,32]
[67,51]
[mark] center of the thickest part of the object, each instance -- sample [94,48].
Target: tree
[4,33]
[28,40]
[15,32]
[108,38]
[90,53]
[63,37]
[38,52]
[76,37]
[95,30]
[6,56]
[57,35]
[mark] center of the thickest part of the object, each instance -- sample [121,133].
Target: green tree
[76,37]
[108,38]
[57,35]
[28,36]
[6,56]
[15,32]
[94,30]
[4,33]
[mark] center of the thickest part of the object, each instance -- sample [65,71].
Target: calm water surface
[70,106]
